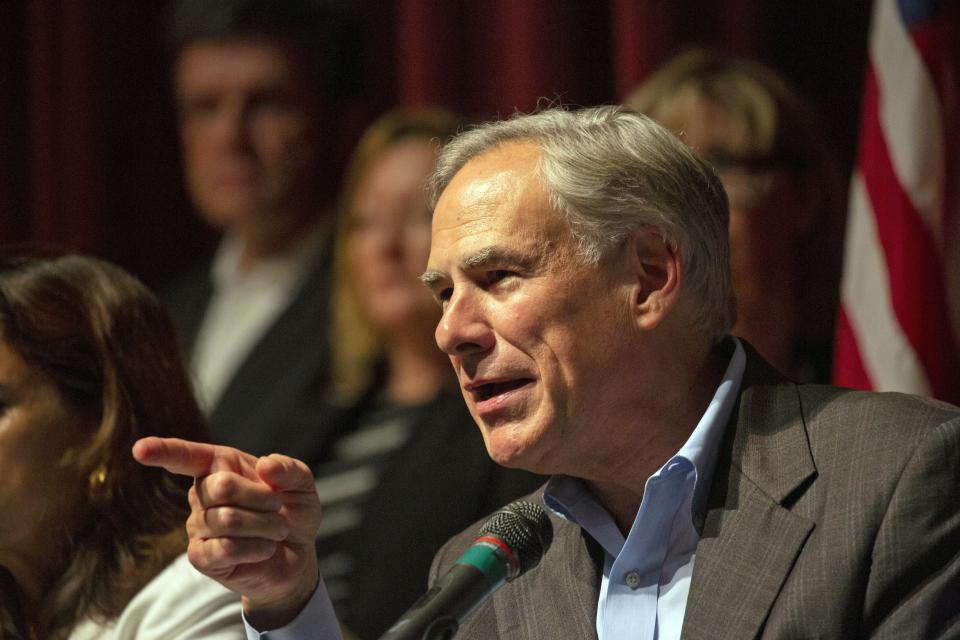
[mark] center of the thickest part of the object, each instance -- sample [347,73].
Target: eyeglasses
[748,179]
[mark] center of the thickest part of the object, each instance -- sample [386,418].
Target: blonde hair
[772,127]
[358,344]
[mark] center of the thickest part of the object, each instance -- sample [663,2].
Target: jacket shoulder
[868,416]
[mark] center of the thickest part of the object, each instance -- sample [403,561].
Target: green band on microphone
[487,561]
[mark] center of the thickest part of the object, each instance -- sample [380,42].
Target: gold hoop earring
[98,483]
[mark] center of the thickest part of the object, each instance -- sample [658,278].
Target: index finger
[193,458]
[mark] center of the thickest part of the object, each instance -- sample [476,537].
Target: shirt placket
[634,576]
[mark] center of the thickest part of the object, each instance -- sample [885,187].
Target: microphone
[509,544]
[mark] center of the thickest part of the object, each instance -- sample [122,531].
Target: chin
[507,447]
[226,216]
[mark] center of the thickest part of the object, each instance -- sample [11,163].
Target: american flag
[899,322]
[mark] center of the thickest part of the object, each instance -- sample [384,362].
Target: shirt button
[633,580]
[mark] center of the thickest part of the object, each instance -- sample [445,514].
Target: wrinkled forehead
[496,199]
[490,185]
[240,62]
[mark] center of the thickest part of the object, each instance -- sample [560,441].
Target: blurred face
[766,216]
[38,493]
[389,236]
[533,333]
[247,134]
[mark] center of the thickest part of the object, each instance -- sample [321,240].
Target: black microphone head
[525,528]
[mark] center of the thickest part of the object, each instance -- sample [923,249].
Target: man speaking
[580,259]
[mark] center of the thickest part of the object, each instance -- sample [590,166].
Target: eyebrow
[484,257]
[431,277]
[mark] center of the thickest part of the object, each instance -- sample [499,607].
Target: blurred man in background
[258,87]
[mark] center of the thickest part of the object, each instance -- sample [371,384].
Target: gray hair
[610,172]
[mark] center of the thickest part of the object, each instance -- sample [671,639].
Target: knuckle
[221,487]
[229,519]
[226,548]
[194,524]
[197,556]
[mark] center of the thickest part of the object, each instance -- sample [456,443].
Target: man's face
[247,132]
[534,334]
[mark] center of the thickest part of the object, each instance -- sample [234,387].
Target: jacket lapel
[281,383]
[750,538]
[556,603]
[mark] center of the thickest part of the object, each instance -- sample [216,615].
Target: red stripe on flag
[933,39]
[848,369]
[912,257]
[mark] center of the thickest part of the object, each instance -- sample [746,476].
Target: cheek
[36,486]
[14,489]
[522,329]
[195,149]
[564,367]
[360,263]
[586,344]
[284,140]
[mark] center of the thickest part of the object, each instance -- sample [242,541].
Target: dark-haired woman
[92,543]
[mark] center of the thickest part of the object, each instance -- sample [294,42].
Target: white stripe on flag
[910,115]
[886,354]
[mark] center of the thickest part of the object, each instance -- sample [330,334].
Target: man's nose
[233,126]
[463,329]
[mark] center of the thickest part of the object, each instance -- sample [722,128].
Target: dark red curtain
[65,149]
[88,153]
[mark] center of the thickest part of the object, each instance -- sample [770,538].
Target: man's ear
[658,269]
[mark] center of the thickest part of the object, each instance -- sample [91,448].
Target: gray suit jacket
[833,514]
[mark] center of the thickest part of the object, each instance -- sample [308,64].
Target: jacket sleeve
[913,590]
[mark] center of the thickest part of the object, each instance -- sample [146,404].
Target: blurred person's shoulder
[178,602]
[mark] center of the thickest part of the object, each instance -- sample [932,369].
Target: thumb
[283,473]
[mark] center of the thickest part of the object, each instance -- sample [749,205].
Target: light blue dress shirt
[646,577]
[317,620]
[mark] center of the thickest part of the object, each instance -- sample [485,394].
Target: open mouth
[486,391]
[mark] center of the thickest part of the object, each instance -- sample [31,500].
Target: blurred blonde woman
[786,218]
[409,469]
[91,543]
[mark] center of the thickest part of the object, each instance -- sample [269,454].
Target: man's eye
[270,103]
[445,294]
[498,274]
[200,107]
